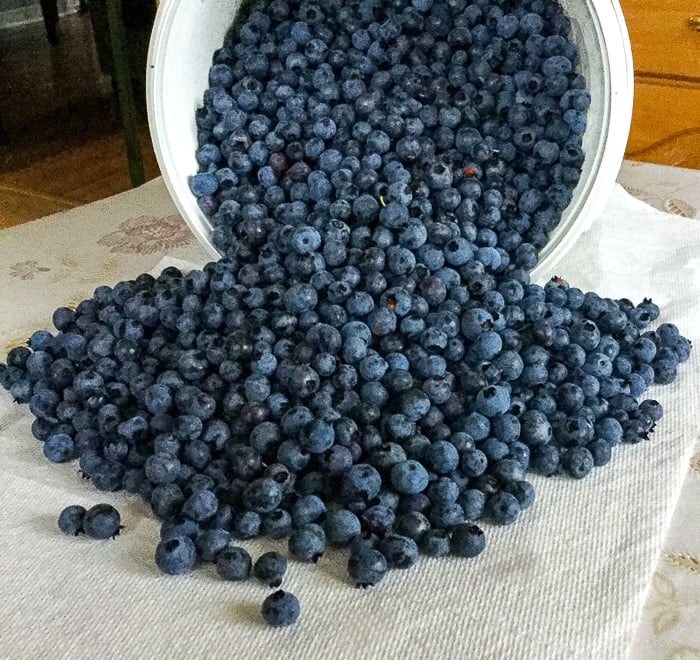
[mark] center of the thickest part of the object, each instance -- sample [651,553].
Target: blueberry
[307,509]
[102,521]
[467,540]
[43,404]
[176,555]
[200,506]
[494,450]
[305,239]
[280,608]
[414,404]
[162,468]
[378,518]
[181,527]
[211,542]
[59,447]
[262,495]
[70,521]
[665,370]
[335,460]
[446,514]
[600,451]
[203,184]
[308,542]
[409,477]
[502,507]
[360,482]
[318,437]
[399,551]
[270,568]
[472,502]
[367,567]
[441,457]
[234,563]
[577,461]
[652,408]
[167,501]
[341,526]
[247,524]
[473,462]
[585,333]
[436,543]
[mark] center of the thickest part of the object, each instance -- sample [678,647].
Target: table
[63,597]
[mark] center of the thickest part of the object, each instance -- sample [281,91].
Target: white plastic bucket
[187,32]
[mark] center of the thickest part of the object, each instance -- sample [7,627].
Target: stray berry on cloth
[280,608]
[102,521]
[70,520]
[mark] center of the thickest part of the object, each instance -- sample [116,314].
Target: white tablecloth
[593,570]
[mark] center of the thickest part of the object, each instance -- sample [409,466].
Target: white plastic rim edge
[617,91]
[186,33]
[179,36]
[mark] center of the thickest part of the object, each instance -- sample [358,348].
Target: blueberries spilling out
[444,134]
[369,365]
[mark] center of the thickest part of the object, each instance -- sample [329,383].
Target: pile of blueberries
[369,364]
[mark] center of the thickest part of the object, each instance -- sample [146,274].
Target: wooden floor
[59,111]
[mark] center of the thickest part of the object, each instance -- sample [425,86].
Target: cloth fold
[568,580]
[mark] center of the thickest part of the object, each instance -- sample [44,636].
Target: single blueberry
[280,608]
[70,521]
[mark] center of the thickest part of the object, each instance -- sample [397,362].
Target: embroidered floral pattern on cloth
[148,234]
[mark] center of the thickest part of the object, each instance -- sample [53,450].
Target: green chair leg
[4,137]
[125,95]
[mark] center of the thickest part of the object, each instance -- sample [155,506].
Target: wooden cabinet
[666,49]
